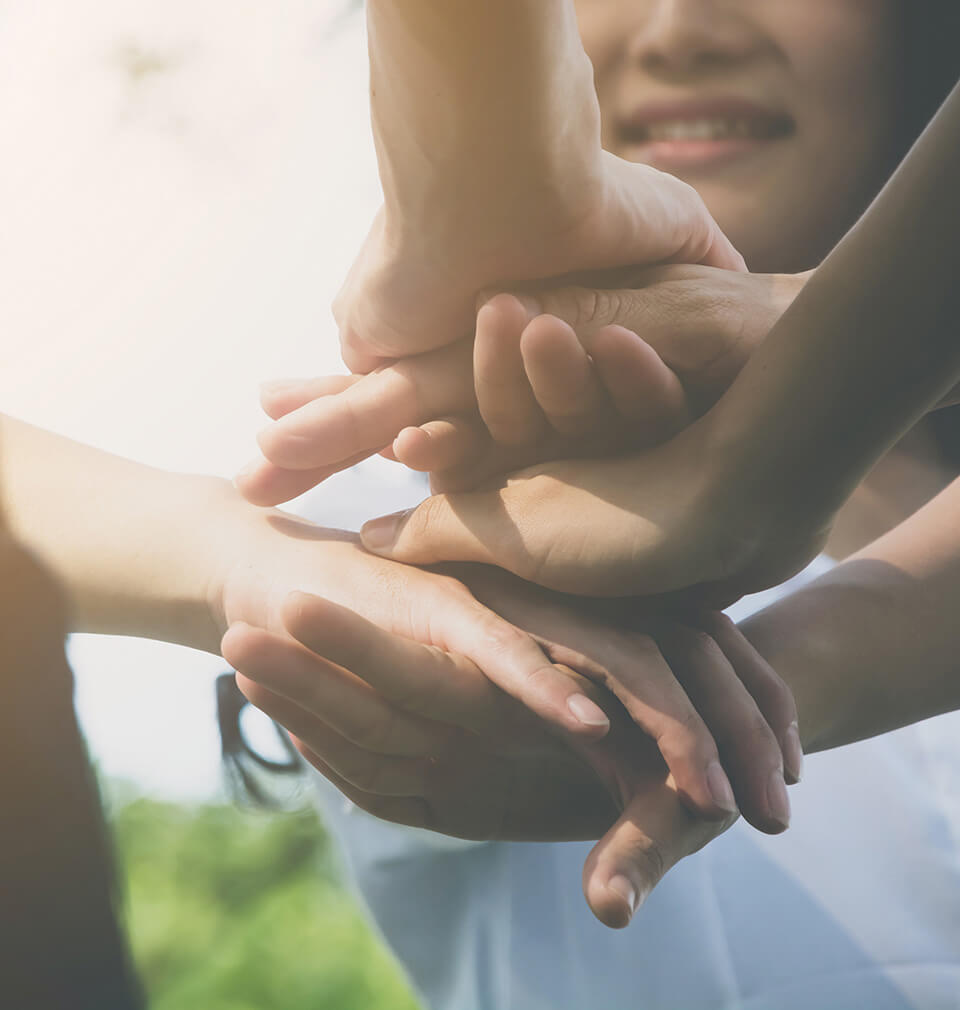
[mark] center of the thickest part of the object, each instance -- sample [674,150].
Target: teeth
[699,129]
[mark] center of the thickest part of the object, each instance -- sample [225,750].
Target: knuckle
[684,735]
[499,635]
[649,859]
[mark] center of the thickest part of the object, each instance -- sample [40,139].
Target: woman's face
[784,114]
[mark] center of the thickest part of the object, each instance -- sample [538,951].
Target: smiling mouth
[709,128]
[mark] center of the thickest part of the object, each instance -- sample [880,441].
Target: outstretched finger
[771,694]
[321,689]
[279,397]
[369,771]
[749,748]
[263,483]
[445,682]
[370,413]
[422,679]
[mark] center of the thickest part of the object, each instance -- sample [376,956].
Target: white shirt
[856,907]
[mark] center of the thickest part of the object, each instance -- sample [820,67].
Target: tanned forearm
[867,347]
[874,644]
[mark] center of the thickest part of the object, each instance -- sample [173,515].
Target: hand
[474,785]
[273,555]
[559,372]
[405,295]
[692,512]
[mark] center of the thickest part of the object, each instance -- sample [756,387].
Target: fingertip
[379,535]
[614,901]
[231,644]
[589,717]
[263,484]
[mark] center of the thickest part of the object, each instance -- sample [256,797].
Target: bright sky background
[184,185]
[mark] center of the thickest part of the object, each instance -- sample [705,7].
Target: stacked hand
[555,372]
[402,735]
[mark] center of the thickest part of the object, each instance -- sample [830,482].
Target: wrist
[478,112]
[155,572]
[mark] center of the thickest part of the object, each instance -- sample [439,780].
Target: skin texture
[826,64]
[182,558]
[747,495]
[821,66]
[462,213]
[600,385]
[887,610]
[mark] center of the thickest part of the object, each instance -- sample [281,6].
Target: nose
[684,37]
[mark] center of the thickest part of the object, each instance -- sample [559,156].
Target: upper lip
[763,119]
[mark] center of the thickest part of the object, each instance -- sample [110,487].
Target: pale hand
[414,765]
[556,372]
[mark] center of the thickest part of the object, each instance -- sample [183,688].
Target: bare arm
[745,496]
[874,644]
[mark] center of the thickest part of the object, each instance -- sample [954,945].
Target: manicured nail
[381,533]
[624,889]
[778,803]
[793,752]
[589,713]
[720,788]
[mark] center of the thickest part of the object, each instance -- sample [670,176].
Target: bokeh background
[183,187]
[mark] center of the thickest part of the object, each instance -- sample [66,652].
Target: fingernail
[624,889]
[588,712]
[380,533]
[778,803]
[793,752]
[720,788]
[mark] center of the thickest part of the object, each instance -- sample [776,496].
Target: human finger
[563,378]
[771,694]
[748,746]
[279,397]
[643,388]
[413,811]
[323,689]
[503,394]
[443,682]
[263,483]
[654,832]
[440,444]
[369,413]
[369,771]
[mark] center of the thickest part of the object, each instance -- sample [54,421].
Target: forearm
[868,346]
[467,97]
[874,644]
[128,543]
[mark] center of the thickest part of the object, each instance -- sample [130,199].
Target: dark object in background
[61,943]
[243,765]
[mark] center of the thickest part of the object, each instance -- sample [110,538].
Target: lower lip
[690,154]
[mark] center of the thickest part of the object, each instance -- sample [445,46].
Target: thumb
[444,527]
[654,833]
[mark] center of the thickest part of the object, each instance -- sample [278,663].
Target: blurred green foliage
[234,909]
